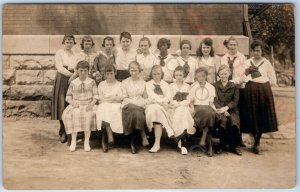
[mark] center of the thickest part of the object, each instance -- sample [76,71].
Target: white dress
[157,112]
[146,63]
[181,117]
[192,62]
[107,111]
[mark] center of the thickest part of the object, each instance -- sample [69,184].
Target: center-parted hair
[108,38]
[202,70]
[125,35]
[110,68]
[145,39]
[154,68]
[68,37]
[178,68]
[163,41]
[135,63]
[83,65]
[86,38]
[185,42]
[208,42]
[226,41]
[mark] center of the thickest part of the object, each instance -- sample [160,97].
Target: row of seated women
[241,89]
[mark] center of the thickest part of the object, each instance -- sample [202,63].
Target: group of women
[132,92]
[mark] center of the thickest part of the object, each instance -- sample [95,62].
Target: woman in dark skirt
[260,108]
[228,120]
[65,61]
[134,103]
[202,96]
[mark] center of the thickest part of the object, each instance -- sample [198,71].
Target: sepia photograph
[148,96]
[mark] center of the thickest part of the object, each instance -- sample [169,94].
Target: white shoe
[184,151]
[154,149]
[87,147]
[179,144]
[72,147]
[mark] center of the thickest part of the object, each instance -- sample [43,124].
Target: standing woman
[159,96]
[236,61]
[206,58]
[188,63]
[124,55]
[109,114]
[260,107]
[65,62]
[134,103]
[146,59]
[166,60]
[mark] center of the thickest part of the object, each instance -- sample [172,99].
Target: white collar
[78,82]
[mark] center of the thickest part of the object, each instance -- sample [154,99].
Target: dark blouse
[226,96]
[101,61]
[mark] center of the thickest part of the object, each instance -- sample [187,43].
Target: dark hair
[110,68]
[178,68]
[108,38]
[200,70]
[83,64]
[68,37]
[209,42]
[154,68]
[257,43]
[86,38]
[163,41]
[134,63]
[185,42]
[226,41]
[125,35]
[145,39]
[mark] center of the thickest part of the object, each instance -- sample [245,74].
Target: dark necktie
[230,64]
[158,90]
[186,69]
[162,60]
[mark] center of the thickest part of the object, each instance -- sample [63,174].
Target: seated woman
[166,60]
[228,120]
[103,59]
[109,114]
[159,95]
[134,103]
[259,100]
[79,116]
[202,96]
[181,118]
[146,59]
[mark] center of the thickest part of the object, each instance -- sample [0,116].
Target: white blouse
[134,91]
[202,95]
[184,89]
[124,58]
[192,62]
[146,63]
[109,90]
[166,97]
[266,70]
[65,62]
[170,64]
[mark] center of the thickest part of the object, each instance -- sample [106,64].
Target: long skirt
[232,120]
[182,120]
[204,117]
[110,113]
[78,119]
[59,92]
[259,108]
[242,108]
[122,74]
[156,113]
[133,117]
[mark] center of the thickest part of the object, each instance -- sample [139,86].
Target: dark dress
[229,126]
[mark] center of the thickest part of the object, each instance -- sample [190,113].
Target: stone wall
[28,67]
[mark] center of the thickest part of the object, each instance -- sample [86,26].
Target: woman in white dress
[146,59]
[159,96]
[187,62]
[180,114]
[134,103]
[109,113]
[206,58]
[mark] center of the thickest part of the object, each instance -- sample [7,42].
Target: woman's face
[257,51]
[232,46]
[224,75]
[88,44]
[110,75]
[83,73]
[144,46]
[205,49]
[185,49]
[69,43]
[156,74]
[178,75]
[134,70]
[108,45]
[163,47]
[125,43]
[201,77]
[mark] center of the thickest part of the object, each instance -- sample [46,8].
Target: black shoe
[219,151]
[241,144]
[132,144]
[255,150]
[104,142]
[236,151]
[63,138]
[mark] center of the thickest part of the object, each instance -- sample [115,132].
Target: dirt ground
[33,158]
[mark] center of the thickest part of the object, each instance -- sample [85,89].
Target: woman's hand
[89,107]
[74,104]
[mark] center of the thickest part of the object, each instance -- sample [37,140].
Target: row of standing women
[247,94]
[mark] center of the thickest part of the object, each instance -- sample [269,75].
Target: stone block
[8,76]
[47,108]
[5,62]
[31,92]
[5,91]
[29,77]
[49,77]
[32,62]
[23,108]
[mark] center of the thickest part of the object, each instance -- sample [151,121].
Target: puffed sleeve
[212,94]
[59,64]
[271,74]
